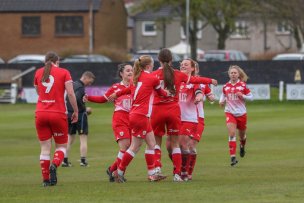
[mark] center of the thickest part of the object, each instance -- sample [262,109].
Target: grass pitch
[272,170]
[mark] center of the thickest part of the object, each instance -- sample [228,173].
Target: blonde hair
[140,65]
[243,76]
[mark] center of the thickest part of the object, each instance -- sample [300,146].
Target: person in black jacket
[81,126]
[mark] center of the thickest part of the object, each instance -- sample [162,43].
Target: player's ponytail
[243,76]
[165,57]
[51,57]
[140,65]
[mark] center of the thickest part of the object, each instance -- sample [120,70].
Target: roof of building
[163,12]
[47,5]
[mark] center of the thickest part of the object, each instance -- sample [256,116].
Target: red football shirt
[51,93]
[142,93]
[122,103]
[179,77]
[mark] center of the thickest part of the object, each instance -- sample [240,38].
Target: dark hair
[139,65]
[165,57]
[50,57]
[121,68]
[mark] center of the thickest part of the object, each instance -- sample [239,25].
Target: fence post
[13,93]
[281,90]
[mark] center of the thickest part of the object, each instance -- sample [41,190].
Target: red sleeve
[101,99]
[156,83]
[223,90]
[193,79]
[199,80]
[109,92]
[197,89]
[123,92]
[246,90]
[37,74]
[97,99]
[161,92]
[68,76]
[158,89]
[182,76]
[35,80]
[207,89]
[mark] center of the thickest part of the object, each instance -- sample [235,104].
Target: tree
[290,12]
[220,14]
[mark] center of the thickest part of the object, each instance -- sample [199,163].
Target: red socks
[126,159]
[58,156]
[150,160]
[115,165]
[232,146]
[192,161]
[45,166]
[157,152]
[177,160]
[185,162]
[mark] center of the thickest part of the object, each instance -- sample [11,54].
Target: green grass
[272,170]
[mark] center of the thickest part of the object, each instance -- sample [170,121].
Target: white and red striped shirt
[234,104]
[188,108]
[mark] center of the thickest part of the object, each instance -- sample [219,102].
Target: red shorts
[139,125]
[188,129]
[240,121]
[121,125]
[51,124]
[200,129]
[166,119]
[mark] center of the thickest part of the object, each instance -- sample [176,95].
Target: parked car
[153,54]
[225,55]
[288,57]
[86,58]
[28,58]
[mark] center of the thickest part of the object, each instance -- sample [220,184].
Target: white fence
[294,92]
[259,91]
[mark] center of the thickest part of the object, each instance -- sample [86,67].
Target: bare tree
[290,12]
[220,14]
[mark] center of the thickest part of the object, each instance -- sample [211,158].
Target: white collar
[121,83]
[235,83]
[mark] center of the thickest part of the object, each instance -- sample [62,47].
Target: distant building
[153,30]
[37,26]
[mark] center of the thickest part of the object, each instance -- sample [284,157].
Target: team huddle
[148,105]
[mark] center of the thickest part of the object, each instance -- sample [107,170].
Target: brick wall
[110,31]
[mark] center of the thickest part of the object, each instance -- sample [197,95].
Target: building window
[241,30]
[149,28]
[69,25]
[283,28]
[31,25]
